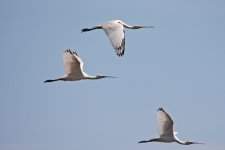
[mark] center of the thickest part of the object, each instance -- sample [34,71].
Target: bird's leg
[89,29]
[86,29]
[54,80]
[151,140]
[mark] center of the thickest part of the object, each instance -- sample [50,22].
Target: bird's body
[73,65]
[165,130]
[116,34]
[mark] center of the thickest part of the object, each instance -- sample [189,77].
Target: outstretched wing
[164,123]
[116,35]
[72,63]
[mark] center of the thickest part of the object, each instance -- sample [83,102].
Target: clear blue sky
[179,65]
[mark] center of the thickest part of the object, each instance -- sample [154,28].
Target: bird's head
[117,20]
[190,142]
[101,76]
[138,27]
[120,22]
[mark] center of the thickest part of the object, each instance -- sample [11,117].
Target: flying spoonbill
[74,69]
[116,34]
[165,130]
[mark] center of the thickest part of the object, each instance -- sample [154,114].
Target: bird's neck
[132,27]
[179,141]
[91,77]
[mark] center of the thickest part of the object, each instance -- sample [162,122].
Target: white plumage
[164,123]
[73,65]
[116,34]
[165,130]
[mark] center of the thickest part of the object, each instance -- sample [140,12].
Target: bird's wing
[72,63]
[116,35]
[164,123]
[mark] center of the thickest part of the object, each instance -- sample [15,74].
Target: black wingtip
[68,50]
[160,109]
[120,54]
[119,51]
[71,52]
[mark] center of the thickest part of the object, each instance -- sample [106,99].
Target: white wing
[72,63]
[115,33]
[164,123]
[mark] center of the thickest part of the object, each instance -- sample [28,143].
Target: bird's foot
[85,30]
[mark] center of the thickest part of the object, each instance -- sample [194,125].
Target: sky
[178,65]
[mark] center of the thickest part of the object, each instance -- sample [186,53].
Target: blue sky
[179,65]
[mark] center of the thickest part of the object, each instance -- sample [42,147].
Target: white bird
[116,34]
[165,130]
[74,69]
